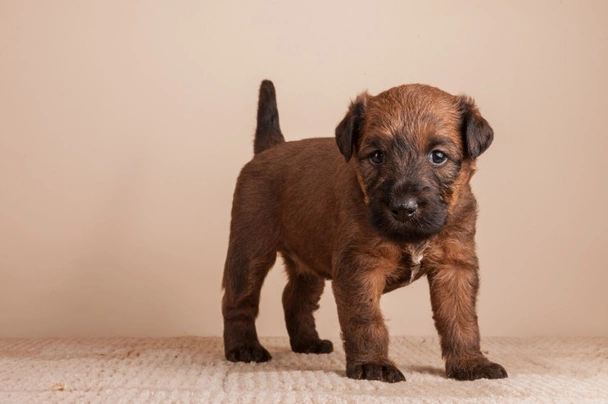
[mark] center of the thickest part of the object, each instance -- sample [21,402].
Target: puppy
[384,203]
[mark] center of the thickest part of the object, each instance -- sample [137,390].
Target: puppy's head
[413,148]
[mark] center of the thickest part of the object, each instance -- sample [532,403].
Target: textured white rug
[192,369]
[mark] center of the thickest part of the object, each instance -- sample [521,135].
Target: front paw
[475,369]
[384,372]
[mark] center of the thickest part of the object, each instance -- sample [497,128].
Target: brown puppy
[391,203]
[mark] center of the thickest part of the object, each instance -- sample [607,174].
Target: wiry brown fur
[333,213]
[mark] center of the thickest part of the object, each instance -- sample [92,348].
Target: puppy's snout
[405,209]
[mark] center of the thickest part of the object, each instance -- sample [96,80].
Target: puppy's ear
[349,129]
[476,131]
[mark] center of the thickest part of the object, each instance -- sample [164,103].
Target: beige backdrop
[123,126]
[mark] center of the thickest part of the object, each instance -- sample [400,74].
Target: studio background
[124,124]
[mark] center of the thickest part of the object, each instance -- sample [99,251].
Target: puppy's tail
[268,132]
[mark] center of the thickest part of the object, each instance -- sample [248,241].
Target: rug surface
[193,369]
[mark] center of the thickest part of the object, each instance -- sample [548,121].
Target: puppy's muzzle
[407,200]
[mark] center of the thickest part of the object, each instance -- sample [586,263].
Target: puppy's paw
[476,369]
[248,353]
[318,346]
[384,372]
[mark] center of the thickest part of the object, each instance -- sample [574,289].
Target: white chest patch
[416,260]
[416,255]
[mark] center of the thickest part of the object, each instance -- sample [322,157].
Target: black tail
[268,132]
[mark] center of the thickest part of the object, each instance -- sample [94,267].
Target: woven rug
[193,369]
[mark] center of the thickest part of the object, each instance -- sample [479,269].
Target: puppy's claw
[483,369]
[319,346]
[248,353]
[384,372]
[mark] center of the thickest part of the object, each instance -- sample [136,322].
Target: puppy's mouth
[410,222]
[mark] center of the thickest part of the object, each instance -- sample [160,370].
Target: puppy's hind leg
[300,300]
[248,261]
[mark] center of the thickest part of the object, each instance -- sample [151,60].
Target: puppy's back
[290,190]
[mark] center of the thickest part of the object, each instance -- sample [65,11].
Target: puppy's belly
[306,236]
[306,262]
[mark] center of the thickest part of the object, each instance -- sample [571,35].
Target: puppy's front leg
[357,289]
[453,295]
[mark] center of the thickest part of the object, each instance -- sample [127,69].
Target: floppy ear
[348,130]
[476,131]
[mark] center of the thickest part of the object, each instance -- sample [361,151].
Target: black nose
[405,209]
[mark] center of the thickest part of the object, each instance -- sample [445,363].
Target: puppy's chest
[409,268]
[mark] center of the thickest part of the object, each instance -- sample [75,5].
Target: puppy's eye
[438,158]
[377,157]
